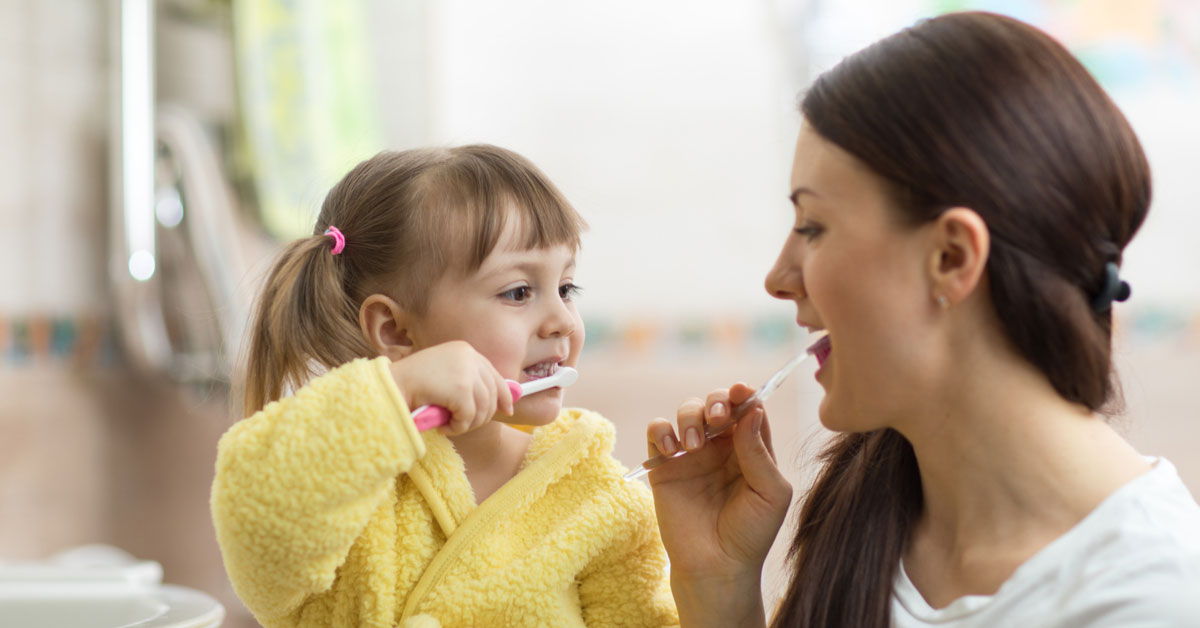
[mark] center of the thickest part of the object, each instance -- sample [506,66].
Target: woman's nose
[785,279]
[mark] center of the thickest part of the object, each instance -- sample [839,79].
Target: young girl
[432,276]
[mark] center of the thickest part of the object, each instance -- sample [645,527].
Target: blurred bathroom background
[154,153]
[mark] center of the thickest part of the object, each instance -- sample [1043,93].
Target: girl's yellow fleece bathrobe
[332,510]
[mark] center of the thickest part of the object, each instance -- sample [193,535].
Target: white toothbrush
[429,416]
[738,412]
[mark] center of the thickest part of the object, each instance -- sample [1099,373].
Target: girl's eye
[809,230]
[519,294]
[568,291]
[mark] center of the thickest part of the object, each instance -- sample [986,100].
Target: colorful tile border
[649,335]
[1158,326]
[84,341]
[90,341]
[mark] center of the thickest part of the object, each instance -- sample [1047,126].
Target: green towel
[307,103]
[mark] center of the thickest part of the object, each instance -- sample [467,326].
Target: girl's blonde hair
[408,218]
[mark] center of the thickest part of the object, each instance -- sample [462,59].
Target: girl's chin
[542,413]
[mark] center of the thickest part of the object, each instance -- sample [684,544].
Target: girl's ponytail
[304,320]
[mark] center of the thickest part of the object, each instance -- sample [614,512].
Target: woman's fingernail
[717,410]
[669,444]
[756,424]
[692,439]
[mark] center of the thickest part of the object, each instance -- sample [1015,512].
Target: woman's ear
[384,326]
[961,243]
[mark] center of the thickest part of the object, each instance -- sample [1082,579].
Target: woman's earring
[942,301]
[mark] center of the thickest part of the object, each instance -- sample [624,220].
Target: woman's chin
[857,420]
[830,418]
[826,418]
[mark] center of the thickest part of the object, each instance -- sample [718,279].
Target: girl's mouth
[541,369]
[821,349]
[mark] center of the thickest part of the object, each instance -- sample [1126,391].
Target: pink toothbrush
[428,416]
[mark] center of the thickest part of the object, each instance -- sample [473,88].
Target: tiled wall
[53,59]
[108,456]
[53,62]
[89,452]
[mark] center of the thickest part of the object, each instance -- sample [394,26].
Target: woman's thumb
[756,462]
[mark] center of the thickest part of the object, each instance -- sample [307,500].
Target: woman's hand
[719,508]
[457,377]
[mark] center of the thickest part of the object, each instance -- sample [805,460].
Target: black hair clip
[1114,289]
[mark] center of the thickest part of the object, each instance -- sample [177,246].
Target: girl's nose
[558,320]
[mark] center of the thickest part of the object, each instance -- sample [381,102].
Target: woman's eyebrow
[796,193]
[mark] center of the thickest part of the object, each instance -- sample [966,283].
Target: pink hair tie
[339,240]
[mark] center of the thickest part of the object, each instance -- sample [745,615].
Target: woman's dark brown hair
[982,111]
[409,218]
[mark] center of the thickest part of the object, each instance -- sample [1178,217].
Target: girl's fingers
[507,405]
[661,438]
[690,417]
[501,397]
[487,398]
[462,416]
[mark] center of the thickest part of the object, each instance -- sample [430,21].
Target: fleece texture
[332,510]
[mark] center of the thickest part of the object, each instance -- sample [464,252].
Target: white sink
[99,587]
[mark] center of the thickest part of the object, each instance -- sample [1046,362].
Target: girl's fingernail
[692,439]
[669,444]
[756,424]
[717,410]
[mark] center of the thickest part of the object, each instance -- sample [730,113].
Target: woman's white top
[1133,561]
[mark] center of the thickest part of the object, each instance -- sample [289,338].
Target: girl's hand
[457,377]
[719,507]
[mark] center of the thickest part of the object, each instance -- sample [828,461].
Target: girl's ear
[384,326]
[959,257]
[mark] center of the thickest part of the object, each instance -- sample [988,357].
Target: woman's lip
[821,349]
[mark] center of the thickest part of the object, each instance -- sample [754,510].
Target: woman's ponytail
[853,529]
[304,321]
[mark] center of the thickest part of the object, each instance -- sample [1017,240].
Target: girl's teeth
[543,369]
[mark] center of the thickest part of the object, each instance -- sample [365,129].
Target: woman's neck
[1007,465]
[492,455]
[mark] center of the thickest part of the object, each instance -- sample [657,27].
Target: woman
[963,193]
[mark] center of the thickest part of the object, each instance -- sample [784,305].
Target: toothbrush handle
[428,417]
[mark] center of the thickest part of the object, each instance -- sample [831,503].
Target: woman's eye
[809,230]
[568,291]
[519,294]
